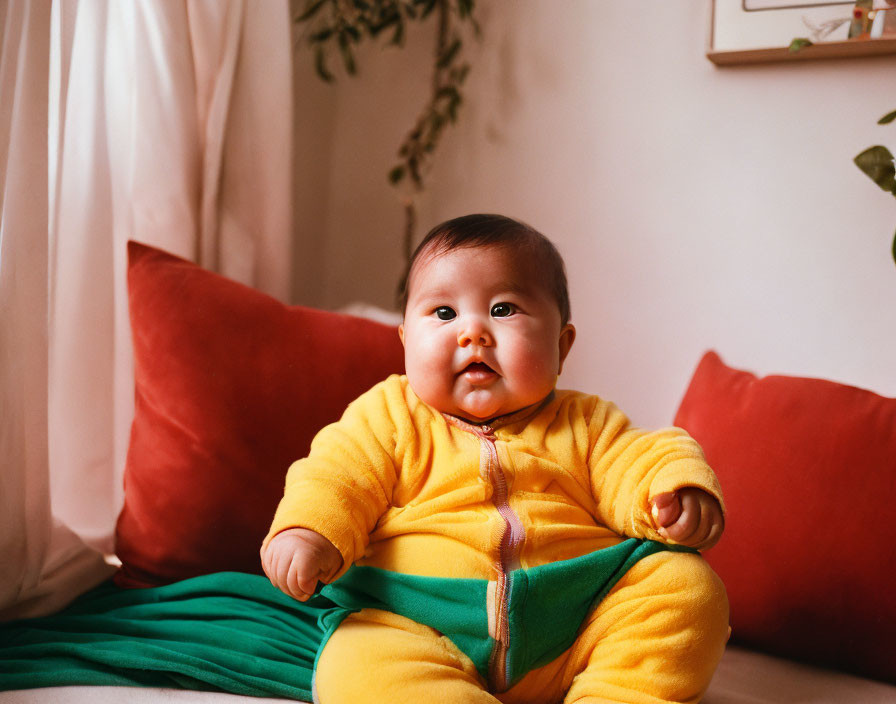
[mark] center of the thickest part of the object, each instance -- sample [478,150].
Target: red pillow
[231,386]
[808,470]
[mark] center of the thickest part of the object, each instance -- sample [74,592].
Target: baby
[510,542]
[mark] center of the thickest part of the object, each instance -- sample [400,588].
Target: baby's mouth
[478,372]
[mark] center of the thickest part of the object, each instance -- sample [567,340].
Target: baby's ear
[567,337]
[401,334]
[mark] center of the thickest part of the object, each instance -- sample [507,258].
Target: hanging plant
[877,162]
[338,26]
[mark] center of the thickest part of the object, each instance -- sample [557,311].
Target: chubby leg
[656,637]
[375,656]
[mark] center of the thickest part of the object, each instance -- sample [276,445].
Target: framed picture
[753,31]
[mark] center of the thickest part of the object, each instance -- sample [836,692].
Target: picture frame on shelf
[764,31]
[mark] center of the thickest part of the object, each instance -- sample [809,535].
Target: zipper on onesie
[512,538]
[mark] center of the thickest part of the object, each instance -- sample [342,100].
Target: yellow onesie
[539,495]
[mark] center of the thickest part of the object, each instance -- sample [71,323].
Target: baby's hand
[297,558]
[689,517]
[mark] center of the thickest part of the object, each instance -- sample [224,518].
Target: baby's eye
[502,310]
[445,313]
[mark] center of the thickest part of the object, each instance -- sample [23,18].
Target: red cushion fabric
[808,470]
[231,386]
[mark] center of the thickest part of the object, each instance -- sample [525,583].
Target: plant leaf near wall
[338,26]
[878,163]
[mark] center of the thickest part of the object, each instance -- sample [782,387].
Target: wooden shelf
[822,50]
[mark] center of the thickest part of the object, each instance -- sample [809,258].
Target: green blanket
[227,632]
[236,633]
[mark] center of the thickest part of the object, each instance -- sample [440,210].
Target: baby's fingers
[715,532]
[700,525]
[666,509]
[301,577]
[270,563]
[683,529]
[711,526]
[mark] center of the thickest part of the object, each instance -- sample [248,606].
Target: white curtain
[163,121]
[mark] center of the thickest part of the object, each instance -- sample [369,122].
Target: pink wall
[696,207]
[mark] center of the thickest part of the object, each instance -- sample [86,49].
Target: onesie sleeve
[345,483]
[629,466]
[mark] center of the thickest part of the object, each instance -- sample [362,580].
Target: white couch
[743,677]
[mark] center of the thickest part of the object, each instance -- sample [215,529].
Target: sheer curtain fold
[43,561]
[169,122]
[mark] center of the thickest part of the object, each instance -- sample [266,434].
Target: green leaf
[396,174]
[449,92]
[398,36]
[877,163]
[459,74]
[887,119]
[322,35]
[414,171]
[448,55]
[311,9]
[320,65]
[347,57]
[380,23]
[799,43]
[349,60]
[427,8]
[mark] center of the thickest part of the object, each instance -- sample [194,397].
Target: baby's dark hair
[487,230]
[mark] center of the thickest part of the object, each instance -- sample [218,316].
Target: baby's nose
[474,333]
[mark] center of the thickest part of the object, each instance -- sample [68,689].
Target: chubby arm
[340,490]
[654,485]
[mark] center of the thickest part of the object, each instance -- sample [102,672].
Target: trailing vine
[338,26]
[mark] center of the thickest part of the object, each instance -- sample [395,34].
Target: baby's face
[482,336]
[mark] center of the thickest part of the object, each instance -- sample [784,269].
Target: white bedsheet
[743,677]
